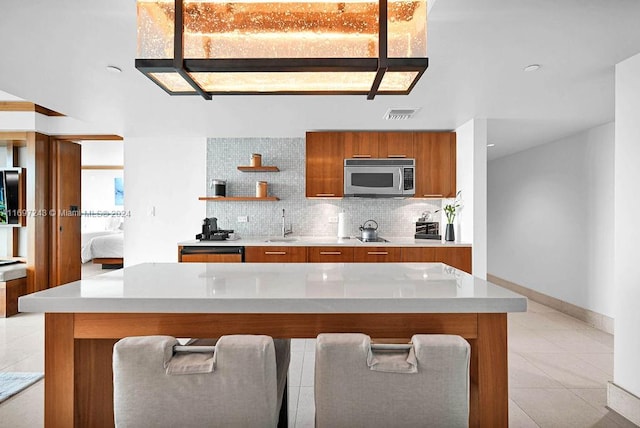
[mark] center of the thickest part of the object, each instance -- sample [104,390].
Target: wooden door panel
[361,145]
[435,154]
[395,145]
[458,257]
[324,165]
[418,255]
[65,203]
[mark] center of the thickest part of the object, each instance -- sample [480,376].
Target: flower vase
[450,234]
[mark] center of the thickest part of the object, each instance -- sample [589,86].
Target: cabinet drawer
[330,254]
[376,254]
[276,254]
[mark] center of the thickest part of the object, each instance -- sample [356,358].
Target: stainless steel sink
[281,240]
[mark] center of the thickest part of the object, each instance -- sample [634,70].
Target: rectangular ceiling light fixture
[287,47]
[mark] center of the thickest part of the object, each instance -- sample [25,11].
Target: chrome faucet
[286,231]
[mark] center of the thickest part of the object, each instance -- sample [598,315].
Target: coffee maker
[426,229]
[210,231]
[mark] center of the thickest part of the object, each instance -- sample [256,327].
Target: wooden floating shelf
[237,198]
[258,168]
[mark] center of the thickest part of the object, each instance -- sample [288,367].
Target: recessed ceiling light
[532,67]
[114,69]
[491,145]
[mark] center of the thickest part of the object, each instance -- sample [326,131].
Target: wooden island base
[78,349]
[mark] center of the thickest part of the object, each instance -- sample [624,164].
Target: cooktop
[378,239]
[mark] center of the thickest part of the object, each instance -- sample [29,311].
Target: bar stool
[159,383]
[359,384]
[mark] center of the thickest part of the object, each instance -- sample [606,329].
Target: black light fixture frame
[183,66]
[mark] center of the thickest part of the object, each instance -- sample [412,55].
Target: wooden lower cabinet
[458,257]
[211,258]
[376,254]
[330,254]
[275,254]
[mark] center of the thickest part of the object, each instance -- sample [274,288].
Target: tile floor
[558,370]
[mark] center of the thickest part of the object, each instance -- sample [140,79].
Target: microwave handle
[399,178]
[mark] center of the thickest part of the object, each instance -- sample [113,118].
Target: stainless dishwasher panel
[211,254]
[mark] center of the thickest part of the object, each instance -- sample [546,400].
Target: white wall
[102,153]
[550,219]
[626,369]
[471,179]
[165,175]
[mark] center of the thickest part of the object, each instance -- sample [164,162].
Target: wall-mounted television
[11,196]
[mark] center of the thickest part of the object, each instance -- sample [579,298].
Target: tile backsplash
[395,217]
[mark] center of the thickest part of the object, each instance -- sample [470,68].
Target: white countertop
[311,241]
[278,288]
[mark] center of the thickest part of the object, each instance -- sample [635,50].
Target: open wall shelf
[258,168]
[237,198]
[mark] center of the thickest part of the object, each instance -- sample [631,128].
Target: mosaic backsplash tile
[395,217]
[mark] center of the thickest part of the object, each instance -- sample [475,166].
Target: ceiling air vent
[400,113]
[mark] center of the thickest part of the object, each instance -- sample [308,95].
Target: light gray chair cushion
[348,393]
[240,392]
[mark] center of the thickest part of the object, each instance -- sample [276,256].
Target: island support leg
[493,377]
[59,371]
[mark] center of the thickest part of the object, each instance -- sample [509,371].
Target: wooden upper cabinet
[435,154]
[395,145]
[361,145]
[325,164]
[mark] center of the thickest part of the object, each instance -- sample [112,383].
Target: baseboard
[595,319]
[623,402]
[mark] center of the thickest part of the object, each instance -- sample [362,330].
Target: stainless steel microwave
[379,178]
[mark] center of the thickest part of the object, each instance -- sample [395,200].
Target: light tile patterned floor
[558,369]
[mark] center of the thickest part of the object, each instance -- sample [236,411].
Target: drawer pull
[361,156]
[330,253]
[396,156]
[325,194]
[275,253]
[378,253]
[435,195]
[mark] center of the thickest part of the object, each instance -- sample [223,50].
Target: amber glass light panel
[155,28]
[288,29]
[407,29]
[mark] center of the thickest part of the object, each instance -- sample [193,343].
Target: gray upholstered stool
[234,386]
[424,385]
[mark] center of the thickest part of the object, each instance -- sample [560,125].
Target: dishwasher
[210,254]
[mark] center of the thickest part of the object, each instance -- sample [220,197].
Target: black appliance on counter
[210,231]
[427,230]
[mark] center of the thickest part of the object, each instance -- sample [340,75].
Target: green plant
[450,209]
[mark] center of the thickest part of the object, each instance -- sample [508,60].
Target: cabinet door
[418,254]
[275,254]
[435,154]
[330,254]
[361,144]
[458,257]
[324,165]
[376,254]
[395,145]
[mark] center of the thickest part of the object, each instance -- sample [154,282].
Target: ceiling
[55,53]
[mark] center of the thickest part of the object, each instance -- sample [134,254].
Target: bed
[103,247]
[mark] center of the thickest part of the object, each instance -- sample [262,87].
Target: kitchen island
[85,318]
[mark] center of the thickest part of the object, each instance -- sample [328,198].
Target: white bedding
[102,244]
